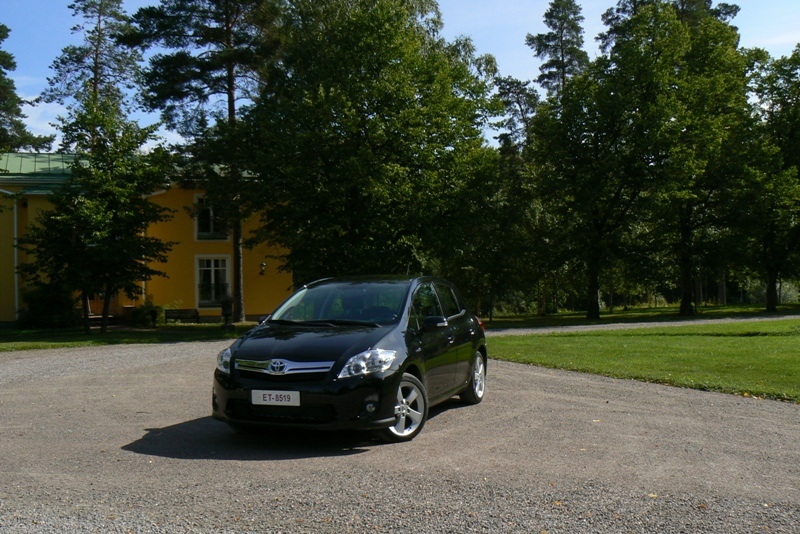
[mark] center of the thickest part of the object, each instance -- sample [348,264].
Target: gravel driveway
[119,439]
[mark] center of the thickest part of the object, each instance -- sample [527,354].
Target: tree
[14,135]
[212,50]
[97,64]
[94,239]
[562,47]
[363,137]
[599,150]
[704,157]
[769,208]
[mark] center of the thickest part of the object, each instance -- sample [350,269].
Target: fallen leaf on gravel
[653,496]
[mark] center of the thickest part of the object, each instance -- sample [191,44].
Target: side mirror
[434,322]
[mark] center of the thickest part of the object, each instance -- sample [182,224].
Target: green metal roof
[35,164]
[44,172]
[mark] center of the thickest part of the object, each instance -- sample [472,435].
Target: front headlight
[371,361]
[224,361]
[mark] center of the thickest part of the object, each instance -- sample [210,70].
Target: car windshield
[377,303]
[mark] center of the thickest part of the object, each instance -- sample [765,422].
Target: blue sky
[41,28]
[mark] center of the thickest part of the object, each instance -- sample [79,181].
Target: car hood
[307,344]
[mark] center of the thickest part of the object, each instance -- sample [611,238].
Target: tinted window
[425,304]
[449,302]
[366,301]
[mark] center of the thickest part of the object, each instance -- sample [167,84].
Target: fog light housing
[370,407]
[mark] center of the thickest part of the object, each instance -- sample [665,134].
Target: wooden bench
[188,315]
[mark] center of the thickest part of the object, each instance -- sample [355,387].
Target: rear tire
[476,388]
[410,410]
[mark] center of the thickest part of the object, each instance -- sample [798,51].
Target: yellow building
[199,268]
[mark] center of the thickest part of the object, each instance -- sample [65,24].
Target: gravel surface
[119,439]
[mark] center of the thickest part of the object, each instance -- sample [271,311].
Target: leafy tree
[769,203]
[207,63]
[704,157]
[366,125]
[13,134]
[599,150]
[562,47]
[97,64]
[94,239]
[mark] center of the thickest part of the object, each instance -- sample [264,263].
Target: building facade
[199,267]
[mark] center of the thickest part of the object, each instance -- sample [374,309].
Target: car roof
[375,279]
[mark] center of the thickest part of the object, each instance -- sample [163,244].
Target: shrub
[49,306]
[143,315]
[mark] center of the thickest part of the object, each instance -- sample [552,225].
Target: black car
[365,353]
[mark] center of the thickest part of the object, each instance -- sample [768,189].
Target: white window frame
[197,198]
[197,258]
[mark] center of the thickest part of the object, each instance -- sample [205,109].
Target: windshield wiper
[280,321]
[342,322]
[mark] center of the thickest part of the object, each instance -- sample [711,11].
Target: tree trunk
[87,324]
[722,291]
[687,290]
[238,277]
[772,290]
[106,307]
[594,287]
[685,265]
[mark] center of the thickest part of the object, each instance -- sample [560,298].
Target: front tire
[410,410]
[476,388]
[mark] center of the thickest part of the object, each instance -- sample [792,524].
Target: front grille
[282,371]
[244,411]
[281,379]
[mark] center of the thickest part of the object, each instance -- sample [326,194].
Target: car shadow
[209,439]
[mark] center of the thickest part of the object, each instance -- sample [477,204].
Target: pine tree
[562,47]
[98,64]
[14,135]
[212,53]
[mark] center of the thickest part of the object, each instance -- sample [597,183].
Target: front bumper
[351,403]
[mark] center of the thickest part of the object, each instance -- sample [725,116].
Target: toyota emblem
[276,367]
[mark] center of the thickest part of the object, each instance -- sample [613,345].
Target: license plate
[275,398]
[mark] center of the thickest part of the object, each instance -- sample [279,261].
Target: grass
[14,339]
[753,359]
[759,359]
[636,315]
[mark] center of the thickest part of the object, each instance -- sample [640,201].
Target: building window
[209,226]
[213,281]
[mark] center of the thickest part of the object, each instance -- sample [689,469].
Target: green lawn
[13,339]
[756,358]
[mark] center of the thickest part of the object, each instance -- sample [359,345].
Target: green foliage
[13,134]
[207,51]
[48,306]
[94,239]
[208,56]
[97,64]
[561,49]
[143,315]
[363,139]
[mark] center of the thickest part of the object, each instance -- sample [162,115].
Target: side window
[424,304]
[449,301]
[212,276]
[209,226]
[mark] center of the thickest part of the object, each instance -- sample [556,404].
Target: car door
[430,343]
[459,334]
